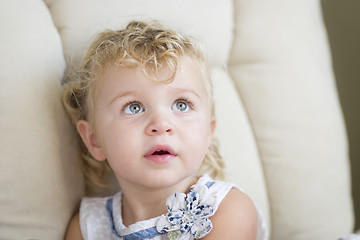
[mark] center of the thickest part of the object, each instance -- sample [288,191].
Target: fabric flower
[187,216]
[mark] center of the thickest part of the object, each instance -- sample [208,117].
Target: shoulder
[236,218]
[73,231]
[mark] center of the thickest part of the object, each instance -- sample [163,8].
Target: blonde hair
[150,48]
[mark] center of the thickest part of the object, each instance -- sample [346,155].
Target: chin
[166,180]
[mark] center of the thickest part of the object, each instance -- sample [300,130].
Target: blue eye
[181,106]
[133,108]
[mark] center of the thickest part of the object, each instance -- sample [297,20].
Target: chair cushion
[282,68]
[40,179]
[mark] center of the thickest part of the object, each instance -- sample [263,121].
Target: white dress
[187,217]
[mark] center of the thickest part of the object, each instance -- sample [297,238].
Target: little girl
[142,104]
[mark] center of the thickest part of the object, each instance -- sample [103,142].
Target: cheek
[117,142]
[121,149]
[199,138]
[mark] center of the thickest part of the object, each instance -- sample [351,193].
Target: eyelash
[181,99]
[129,103]
[186,100]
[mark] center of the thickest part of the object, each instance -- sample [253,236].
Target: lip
[160,154]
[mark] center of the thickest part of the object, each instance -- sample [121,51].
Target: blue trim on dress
[209,184]
[109,208]
[142,234]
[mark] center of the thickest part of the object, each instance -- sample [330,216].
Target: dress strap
[142,234]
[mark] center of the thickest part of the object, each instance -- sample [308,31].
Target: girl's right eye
[133,108]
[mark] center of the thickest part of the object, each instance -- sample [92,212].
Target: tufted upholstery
[279,121]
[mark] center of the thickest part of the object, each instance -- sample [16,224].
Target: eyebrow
[176,90]
[121,95]
[188,90]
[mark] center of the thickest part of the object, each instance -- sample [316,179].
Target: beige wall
[342,19]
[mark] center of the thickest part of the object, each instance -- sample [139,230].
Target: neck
[140,203]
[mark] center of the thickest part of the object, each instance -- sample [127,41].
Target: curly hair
[146,46]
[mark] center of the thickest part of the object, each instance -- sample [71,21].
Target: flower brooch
[188,214]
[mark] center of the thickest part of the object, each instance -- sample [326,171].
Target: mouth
[160,154]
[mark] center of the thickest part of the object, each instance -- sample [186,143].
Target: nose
[159,124]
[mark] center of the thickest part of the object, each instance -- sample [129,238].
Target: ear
[212,128]
[212,125]
[89,138]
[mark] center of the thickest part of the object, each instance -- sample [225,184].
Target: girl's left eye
[181,106]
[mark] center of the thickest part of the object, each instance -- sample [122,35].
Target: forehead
[189,74]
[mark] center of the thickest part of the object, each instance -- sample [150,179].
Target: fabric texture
[283,74]
[101,217]
[40,178]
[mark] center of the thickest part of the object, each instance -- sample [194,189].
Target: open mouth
[161,154]
[159,150]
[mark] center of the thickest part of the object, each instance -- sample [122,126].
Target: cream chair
[279,120]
